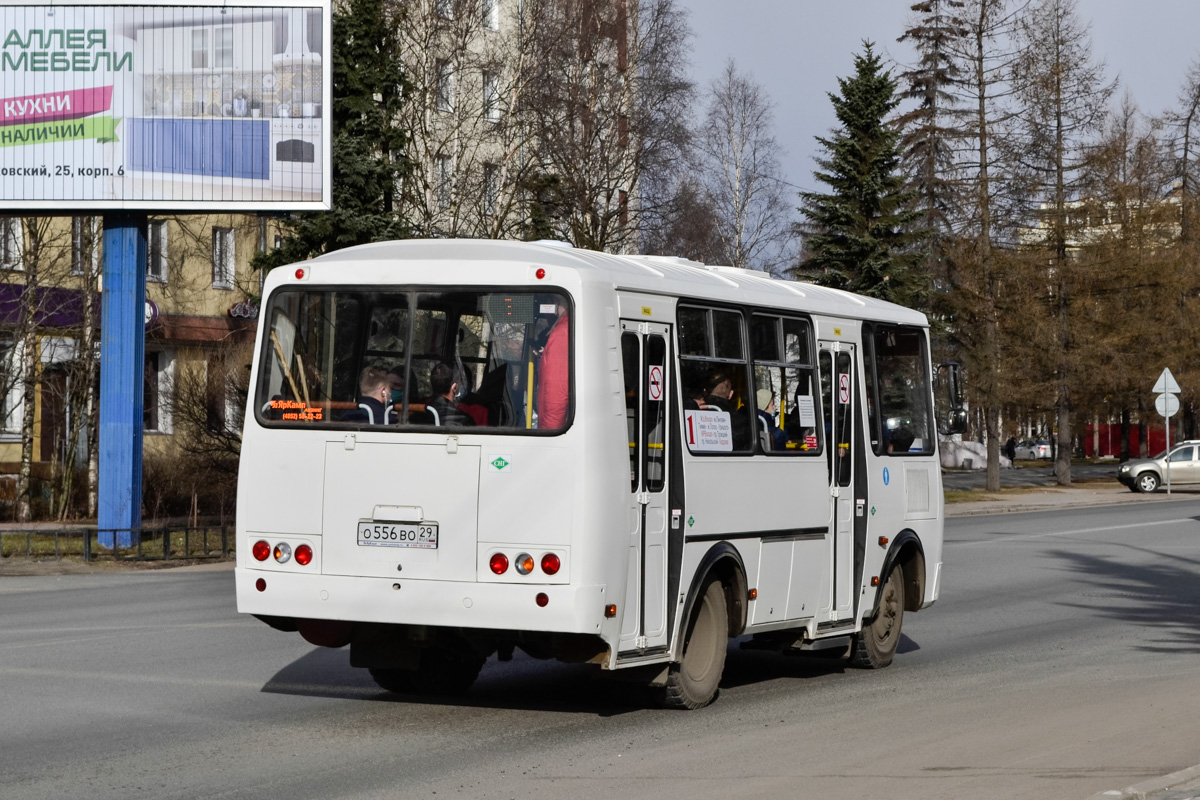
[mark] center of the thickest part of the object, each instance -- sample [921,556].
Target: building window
[85,245]
[445,180]
[156,250]
[445,85]
[491,14]
[222,258]
[225,396]
[10,242]
[199,49]
[156,392]
[491,97]
[491,188]
[223,57]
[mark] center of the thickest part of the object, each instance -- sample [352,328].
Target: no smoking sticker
[655,389]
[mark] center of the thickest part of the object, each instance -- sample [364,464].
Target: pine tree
[929,130]
[860,236]
[368,148]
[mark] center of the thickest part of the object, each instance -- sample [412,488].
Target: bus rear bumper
[497,606]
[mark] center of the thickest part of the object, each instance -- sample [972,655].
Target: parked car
[1148,474]
[1031,450]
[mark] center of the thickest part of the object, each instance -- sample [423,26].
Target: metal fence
[165,543]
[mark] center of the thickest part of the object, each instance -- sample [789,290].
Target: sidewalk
[1050,498]
[1182,785]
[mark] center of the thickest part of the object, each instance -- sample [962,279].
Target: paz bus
[621,460]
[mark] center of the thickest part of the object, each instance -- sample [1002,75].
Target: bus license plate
[393,534]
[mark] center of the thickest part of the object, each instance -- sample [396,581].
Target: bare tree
[607,107]
[1185,122]
[1063,101]
[470,148]
[739,158]
[982,62]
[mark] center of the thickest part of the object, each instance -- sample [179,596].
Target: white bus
[621,460]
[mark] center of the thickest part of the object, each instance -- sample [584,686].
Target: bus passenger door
[837,398]
[644,354]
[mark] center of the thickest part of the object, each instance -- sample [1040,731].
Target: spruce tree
[930,130]
[861,235]
[368,147]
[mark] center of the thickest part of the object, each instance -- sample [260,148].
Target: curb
[1148,788]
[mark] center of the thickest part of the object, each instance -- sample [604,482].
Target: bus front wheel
[875,645]
[692,682]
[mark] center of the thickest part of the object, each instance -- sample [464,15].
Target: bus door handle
[644,498]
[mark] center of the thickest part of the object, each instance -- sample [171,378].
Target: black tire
[692,682]
[393,680]
[441,671]
[1146,483]
[874,646]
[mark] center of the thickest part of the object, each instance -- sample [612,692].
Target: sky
[797,49]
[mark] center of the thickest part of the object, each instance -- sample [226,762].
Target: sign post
[1167,404]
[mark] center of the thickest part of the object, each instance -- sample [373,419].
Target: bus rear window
[416,358]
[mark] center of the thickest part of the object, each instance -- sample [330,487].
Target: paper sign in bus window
[709,431]
[807,411]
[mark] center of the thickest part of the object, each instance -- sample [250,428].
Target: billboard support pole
[122,360]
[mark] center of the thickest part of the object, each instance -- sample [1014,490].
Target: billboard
[165,107]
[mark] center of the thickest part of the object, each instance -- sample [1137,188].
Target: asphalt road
[1062,660]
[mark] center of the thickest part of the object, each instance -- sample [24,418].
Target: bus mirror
[955,419]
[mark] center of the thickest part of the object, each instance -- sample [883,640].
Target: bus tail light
[261,550]
[283,552]
[261,584]
[550,564]
[542,599]
[524,563]
[498,563]
[304,555]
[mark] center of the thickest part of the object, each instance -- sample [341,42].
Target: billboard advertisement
[165,107]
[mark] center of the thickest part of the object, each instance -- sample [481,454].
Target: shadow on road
[532,685]
[1164,596]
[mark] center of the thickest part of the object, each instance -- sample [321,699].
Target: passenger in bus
[721,398]
[776,438]
[445,382]
[693,397]
[901,440]
[374,393]
[553,377]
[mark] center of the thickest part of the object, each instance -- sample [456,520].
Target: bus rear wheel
[441,671]
[874,646]
[692,682]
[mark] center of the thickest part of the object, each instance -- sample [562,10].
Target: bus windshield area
[416,358]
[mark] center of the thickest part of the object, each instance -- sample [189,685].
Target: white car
[1031,450]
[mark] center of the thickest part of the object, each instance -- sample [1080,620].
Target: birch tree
[739,159]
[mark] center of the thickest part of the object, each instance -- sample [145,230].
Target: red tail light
[550,563]
[261,550]
[542,599]
[498,563]
[303,555]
